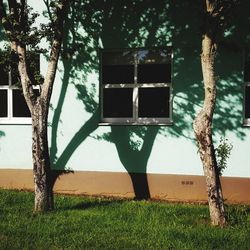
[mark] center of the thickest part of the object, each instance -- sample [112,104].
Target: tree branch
[28,92]
[17,48]
[61,11]
[47,3]
[23,14]
[4,20]
[13,9]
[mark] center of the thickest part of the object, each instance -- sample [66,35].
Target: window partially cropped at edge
[135,86]
[13,108]
[246,109]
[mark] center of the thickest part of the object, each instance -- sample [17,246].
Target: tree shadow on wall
[2,134]
[134,146]
[76,57]
[85,62]
[142,23]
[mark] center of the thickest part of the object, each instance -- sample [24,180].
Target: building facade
[128,86]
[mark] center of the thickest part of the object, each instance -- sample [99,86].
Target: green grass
[98,223]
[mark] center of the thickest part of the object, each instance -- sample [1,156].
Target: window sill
[170,123]
[246,122]
[16,121]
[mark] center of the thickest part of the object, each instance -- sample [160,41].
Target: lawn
[101,223]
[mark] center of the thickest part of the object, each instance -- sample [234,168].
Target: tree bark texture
[203,132]
[41,160]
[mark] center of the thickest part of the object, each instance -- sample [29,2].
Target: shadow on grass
[92,204]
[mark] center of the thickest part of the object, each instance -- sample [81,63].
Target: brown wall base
[185,188]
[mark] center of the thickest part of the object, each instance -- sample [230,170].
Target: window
[13,107]
[136,86]
[247,89]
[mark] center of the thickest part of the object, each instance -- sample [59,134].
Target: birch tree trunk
[39,107]
[203,128]
[16,29]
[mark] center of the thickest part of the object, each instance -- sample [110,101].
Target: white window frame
[10,119]
[135,119]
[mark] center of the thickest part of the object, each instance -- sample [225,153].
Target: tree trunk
[16,23]
[41,161]
[203,132]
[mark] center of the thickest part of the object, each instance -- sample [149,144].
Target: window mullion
[135,103]
[135,89]
[9,102]
[10,99]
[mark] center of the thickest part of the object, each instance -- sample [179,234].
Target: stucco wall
[79,143]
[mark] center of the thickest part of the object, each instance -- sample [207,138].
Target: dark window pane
[4,75]
[162,56]
[3,103]
[117,102]
[20,108]
[34,66]
[33,69]
[118,58]
[154,102]
[117,74]
[247,71]
[37,92]
[15,78]
[154,73]
[247,102]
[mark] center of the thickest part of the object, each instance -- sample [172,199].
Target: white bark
[203,126]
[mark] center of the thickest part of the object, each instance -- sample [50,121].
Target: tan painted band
[161,186]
